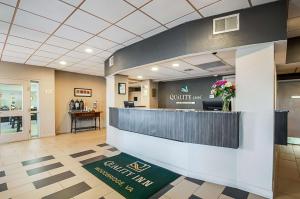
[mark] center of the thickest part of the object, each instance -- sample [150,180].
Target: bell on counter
[81,105]
[72,105]
[77,105]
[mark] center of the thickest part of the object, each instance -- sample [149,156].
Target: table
[83,115]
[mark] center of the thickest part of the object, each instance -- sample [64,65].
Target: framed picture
[82,92]
[122,88]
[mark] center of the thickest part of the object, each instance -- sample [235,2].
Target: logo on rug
[138,166]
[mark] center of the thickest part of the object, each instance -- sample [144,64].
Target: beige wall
[45,77]
[65,82]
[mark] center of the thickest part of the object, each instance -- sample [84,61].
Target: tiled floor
[288,170]
[51,168]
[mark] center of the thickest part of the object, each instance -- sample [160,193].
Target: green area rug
[130,176]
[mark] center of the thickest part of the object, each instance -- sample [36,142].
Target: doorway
[14,106]
[34,109]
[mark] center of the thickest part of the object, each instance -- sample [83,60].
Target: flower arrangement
[224,89]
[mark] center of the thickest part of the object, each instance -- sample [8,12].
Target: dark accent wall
[289,76]
[293,50]
[196,87]
[258,24]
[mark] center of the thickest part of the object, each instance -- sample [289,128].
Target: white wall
[255,81]
[45,77]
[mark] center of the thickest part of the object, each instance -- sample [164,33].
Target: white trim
[226,30]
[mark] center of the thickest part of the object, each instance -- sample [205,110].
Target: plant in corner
[224,89]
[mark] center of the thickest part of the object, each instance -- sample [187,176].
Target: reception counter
[213,128]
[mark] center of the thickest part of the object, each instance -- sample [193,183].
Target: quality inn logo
[184,89]
[138,166]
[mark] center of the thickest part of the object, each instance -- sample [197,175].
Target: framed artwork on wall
[122,88]
[83,92]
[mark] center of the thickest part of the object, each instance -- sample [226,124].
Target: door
[34,109]
[14,110]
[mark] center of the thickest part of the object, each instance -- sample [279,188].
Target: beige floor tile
[114,195]
[178,180]
[209,190]
[224,197]
[96,192]
[289,173]
[289,187]
[182,190]
[287,149]
[286,164]
[253,196]
[17,191]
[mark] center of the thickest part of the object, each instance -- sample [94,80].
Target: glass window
[11,97]
[10,125]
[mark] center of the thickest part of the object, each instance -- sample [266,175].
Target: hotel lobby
[158,99]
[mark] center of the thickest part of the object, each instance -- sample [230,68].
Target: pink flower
[220,83]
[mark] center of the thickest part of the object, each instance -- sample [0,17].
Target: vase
[226,104]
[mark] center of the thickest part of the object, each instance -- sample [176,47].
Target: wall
[196,87]
[284,101]
[65,82]
[134,94]
[255,98]
[45,77]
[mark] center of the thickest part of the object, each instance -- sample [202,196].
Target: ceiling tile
[64,43]
[9,2]
[28,34]
[294,8]
[104,54]
[132,41]
[110,10]
[20,49]
[100,43]
[58,65]
[224,6]
[53,49]
[4,27]
[202,3]
[41,53]
[87,22]
[154,32]
[96,59]
[117,34]
[78,54]
[13,59]
[72,34]
[53,9]
[23,42]
[138,23]
[55,65]
[36,62]
[190,17]
[201,59]
[2,38]
[138,3]
[35,22]
[73,2]
[227,56]
[41,59]
[6,13]
[69,59]
[115,48]
[21,55]
[258,2]
[165,11]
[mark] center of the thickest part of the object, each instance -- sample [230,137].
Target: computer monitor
[213,105]
[129,104]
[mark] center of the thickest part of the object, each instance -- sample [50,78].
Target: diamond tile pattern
[59,29]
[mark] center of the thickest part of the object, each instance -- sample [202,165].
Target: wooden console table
[80,116]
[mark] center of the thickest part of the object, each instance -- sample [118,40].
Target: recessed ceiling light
[140,77]
[295,97]
[154,69]
[175,64]
[63,62]
[88,50]
[215,75]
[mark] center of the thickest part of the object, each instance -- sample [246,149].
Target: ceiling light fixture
[215,75]
[62,62]
[295,97]
[175,64]
[88,50]
[140,77]
[154,69]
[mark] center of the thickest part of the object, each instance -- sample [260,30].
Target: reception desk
[213,128]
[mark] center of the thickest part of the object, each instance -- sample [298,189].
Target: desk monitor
[129,104]
[213,105]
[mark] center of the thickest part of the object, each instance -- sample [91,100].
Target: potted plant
[224,89]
